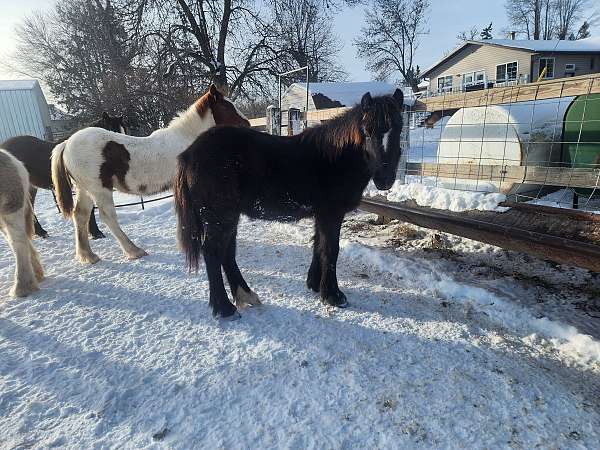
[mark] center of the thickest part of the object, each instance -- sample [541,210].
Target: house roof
[589,45]
[350,93]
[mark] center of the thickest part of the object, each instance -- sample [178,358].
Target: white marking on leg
[25,282]
[81,218]
[108,214]
[244,299]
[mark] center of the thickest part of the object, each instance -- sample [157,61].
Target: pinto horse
[321,172]
[99,161]
[35,154]
[16,223]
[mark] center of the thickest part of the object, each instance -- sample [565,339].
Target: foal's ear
[366,103]
[399,96]
[105,116]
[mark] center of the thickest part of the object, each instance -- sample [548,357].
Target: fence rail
[563,87]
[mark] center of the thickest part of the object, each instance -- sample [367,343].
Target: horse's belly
[281,207]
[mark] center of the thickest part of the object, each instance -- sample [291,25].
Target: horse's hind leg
[108,214]
[93,227]
[214,248]
[242,294]
[15,228]
[81,214]
[39,231]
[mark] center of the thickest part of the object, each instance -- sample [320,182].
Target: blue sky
[446,20]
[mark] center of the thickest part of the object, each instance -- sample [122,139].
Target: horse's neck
[182,131]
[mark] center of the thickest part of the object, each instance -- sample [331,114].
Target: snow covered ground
[448,343]
[424,191]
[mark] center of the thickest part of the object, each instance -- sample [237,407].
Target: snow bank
[440,198]
[565,338]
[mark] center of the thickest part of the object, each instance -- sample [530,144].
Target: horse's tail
[190,228]
[61,181]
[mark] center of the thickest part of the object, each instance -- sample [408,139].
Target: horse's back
[34,153]
[267,177]
[14,181]
[83,153]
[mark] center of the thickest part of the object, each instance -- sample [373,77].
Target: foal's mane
[337,134]
[345,131]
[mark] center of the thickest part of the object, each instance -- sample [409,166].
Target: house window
[548,64]
[445,83]
[506,72]
[473,78]
[569,70]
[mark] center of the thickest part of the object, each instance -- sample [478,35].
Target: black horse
[35,154]
[321,172]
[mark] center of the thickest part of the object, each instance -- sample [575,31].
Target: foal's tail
[190,228]
[61,181]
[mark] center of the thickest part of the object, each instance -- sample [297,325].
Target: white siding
[480,57]
[295,97]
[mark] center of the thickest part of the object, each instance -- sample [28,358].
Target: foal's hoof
[243,299]
[43,234]
[230,318]
[136,254]
[98,235]
[338,300]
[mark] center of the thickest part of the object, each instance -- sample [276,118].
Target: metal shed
[23,110]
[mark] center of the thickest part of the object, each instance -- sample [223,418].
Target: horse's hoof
[43,235]
[230,318]
[92,258]
[338,300]
[244,299]
[136,254]
[99,235]
[23,290]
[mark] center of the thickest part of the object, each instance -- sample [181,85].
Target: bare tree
[91,62]
[532,18]
[568,16]
[468,35]
[390,38]
[304,36]
[223,41]
[547,19]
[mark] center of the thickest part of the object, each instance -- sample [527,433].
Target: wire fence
[540,150]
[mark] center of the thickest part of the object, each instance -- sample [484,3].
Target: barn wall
[22,113]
